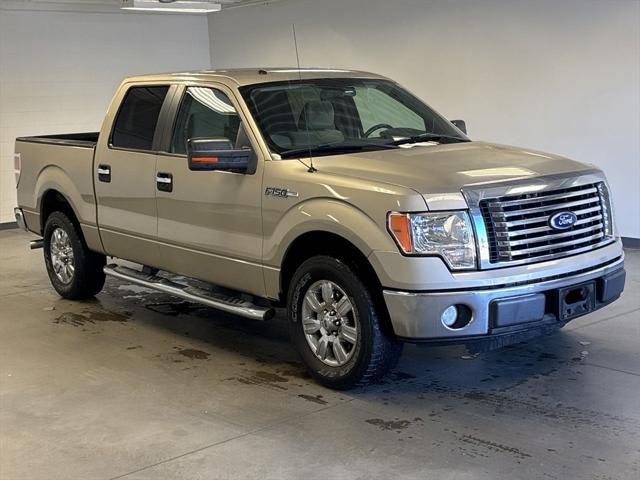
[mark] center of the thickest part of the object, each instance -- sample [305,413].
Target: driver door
[209,222]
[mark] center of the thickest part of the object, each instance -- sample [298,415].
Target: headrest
[317,115]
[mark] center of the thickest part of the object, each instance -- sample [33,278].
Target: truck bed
[57,163]
[87,140]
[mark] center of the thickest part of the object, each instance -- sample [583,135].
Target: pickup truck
[337,194]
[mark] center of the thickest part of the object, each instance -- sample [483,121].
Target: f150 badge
[563,220]
[280,192]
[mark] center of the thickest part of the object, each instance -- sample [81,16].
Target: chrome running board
[217,300]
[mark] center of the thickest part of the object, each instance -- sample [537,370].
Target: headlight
[447,234]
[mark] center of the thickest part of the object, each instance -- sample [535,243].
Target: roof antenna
[310,167]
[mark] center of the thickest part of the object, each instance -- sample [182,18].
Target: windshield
[327,116]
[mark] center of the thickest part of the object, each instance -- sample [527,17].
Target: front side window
[204,113]
[136,122]
[337,115]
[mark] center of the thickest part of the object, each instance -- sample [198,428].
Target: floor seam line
[596,322]
[612,369]
[227,440]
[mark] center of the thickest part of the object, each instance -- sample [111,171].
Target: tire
[370,353]
[85,278]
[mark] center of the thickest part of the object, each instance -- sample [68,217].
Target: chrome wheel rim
[61,253]
[330,323]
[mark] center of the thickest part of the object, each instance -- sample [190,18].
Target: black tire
[375,352]
[88,277]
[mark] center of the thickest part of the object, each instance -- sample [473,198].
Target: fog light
[456,317]
[449,316]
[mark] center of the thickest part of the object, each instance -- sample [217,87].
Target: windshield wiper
[330,148]
[425,137]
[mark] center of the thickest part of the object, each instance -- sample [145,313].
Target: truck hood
[431,169]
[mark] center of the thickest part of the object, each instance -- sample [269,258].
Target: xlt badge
[280,192]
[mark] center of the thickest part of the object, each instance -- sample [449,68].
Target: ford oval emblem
[563,220]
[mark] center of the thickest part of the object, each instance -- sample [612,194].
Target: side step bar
[219,301]
[35,244]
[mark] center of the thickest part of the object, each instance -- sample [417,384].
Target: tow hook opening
[576,295]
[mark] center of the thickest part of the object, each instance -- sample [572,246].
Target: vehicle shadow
[449,369]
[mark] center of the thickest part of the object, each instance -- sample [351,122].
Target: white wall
[58,70]
[561,76]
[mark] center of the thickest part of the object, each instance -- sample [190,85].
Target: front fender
[326,215]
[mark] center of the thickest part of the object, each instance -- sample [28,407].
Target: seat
[316,124]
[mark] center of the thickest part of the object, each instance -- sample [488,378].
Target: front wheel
[335,325]
[74,270]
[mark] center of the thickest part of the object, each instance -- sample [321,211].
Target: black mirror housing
[205,154]
[460,125]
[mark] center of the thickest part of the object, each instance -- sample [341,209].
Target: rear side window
[137,118]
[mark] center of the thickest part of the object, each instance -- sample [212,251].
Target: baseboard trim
[629,242]
[8,225]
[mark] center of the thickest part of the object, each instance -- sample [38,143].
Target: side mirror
[461,125]
[216,154]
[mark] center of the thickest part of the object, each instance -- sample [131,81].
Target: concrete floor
[139,385]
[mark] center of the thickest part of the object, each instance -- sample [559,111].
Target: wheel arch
[321,242]
[52,200]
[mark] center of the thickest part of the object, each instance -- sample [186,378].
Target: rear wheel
[335,325]
[74,270]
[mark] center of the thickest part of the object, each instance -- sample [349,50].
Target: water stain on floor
[194,354]
[396,425]
[90,317]
[493,446]
[268,379]
[314,398]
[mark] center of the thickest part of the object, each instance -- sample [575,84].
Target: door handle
[164,182]
[104,173]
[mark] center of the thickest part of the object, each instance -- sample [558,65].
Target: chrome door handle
[164,182]
[104,173]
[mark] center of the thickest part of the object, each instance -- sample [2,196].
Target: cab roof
[248,76]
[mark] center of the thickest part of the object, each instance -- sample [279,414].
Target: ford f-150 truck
[335,193]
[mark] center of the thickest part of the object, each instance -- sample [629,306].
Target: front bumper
[507,310]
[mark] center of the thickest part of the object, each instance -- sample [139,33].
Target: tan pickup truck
[335,193]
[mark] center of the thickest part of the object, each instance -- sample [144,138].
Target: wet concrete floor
[140,385]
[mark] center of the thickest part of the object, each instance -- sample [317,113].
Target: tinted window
[204,113]
[136,122]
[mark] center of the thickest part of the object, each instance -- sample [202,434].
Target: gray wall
[58,70]
[561,76]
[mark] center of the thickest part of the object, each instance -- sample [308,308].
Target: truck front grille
[518,226]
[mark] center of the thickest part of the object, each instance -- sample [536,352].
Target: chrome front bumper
[20,219]
[416,316]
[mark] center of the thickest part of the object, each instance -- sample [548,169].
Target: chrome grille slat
[527,221]
[542,248]
[557,196]
[518,229]
[546,238]
[546,208]
[551,256]
[529,231]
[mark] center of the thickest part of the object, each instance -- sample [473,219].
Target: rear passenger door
[125,168]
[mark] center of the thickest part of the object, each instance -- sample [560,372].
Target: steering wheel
[378,126]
